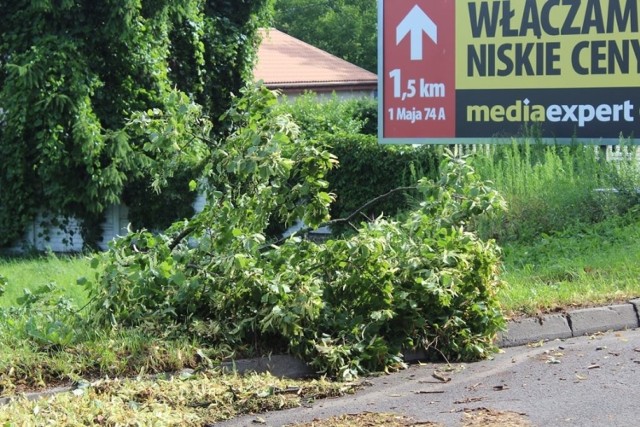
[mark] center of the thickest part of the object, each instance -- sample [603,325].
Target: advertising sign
[457,71]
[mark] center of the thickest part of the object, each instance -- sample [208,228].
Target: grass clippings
[193,401]
[367,419]
[484,417]
[480,417]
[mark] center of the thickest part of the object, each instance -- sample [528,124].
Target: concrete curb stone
[524,331]
[598,319]
[278,365]
[636,305]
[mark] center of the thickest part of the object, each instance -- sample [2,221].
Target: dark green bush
[155,210]
[367,170]
[366,110]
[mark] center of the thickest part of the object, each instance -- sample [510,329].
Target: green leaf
[178,278]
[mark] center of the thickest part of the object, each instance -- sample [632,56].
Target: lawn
[558,254]
[579,267]
[582,266]
[35,272]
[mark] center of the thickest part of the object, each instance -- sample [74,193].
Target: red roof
[285,62]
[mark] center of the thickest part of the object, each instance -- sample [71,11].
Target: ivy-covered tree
[73,72]
[345,28]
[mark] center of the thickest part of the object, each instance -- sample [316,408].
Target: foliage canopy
[72,74]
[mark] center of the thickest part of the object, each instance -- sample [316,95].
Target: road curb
[636,305]
[277,365]
[574,323]
[519,332]
[590,320]
[543,328]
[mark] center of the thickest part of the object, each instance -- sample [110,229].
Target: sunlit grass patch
[24,366]
[582,266]
[34,272]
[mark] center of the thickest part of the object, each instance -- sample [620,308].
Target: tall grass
[549,188]
[570,232]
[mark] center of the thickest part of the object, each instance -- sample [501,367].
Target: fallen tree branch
[184,233]
[190,229]
[368,204]
[347,218]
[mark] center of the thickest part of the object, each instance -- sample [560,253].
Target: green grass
[566,242]
[35,272]
[550,188]
[582,266]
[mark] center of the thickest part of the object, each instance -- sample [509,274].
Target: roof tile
[287,62]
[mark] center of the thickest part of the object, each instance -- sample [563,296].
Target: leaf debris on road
[437,375]
[368,419]
[484,417]
[468,400]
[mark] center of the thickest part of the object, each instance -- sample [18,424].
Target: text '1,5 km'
[466,71]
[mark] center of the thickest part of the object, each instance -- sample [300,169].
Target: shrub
[155,210]
[348,128]
[317,116]
[366,110]
[346,306]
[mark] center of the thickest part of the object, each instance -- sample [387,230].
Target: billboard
[458,71]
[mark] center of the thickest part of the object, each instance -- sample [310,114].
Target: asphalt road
[587,381]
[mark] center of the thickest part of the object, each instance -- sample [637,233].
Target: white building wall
[48,233]
[116,224]
[42,235]
[200,202]
[58,234]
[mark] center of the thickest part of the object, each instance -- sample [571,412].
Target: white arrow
[416,22]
